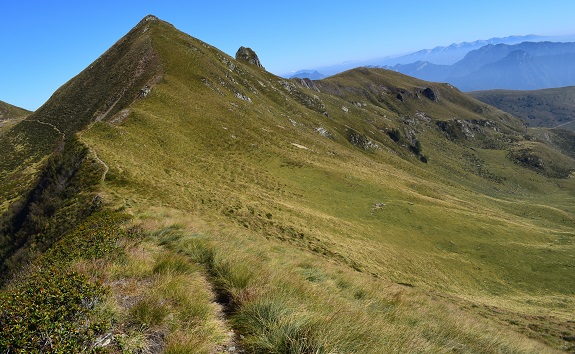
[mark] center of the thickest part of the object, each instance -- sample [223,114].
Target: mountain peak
[150,18]
[247,55]
[309,74]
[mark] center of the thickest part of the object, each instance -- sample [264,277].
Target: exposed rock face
[360,140]
[247,55]
[307,83]
[430,94]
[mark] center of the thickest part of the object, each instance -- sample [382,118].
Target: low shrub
[52,311]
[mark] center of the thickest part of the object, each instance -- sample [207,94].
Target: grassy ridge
[112,82]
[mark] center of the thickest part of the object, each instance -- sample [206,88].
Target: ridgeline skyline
[49,43]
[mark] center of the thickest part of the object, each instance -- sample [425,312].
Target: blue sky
[45,43]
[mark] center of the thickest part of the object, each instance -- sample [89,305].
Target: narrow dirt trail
[561,125]
[105,165]
[95,154]
[232,344]
[50,125]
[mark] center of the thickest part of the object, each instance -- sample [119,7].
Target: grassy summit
[364,212]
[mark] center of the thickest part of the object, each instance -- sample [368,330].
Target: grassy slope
[10,115]
[294,231]
[539,108]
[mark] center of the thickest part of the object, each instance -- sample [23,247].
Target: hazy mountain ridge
[308,74]
[447,55]
[440,55]
[523,66]
[316,216]
[551,108]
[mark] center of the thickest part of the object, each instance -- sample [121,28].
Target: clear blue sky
[44,43]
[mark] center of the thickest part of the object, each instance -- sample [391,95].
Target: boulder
[430,94]
[247,55]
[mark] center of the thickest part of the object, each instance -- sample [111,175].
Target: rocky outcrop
[247,55]
[307,83]
[360,140]
[430,94]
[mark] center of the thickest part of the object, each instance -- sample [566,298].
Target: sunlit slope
[10,115]
[318,168]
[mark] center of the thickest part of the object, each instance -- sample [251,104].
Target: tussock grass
[164,302]
[336,309]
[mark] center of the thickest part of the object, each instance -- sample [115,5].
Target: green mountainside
[171,198]
[10,115]
[551,108]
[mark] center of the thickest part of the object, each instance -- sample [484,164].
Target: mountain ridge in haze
[439,55]
[446,55]
[523,66]
[308,74]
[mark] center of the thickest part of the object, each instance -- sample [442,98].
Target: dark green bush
[50,312]
[394,134]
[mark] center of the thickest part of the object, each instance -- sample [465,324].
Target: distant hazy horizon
[47,43]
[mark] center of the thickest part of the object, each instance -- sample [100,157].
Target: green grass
[282,308]
[162,301]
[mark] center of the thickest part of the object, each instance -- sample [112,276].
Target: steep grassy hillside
[363,213]
[551,108]
[111,82]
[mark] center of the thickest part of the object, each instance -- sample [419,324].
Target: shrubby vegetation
[63,196]
[51,307]
[47,305]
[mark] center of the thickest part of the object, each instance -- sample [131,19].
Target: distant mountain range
[523,66]
[446,55]
[442,55]
[308,74]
